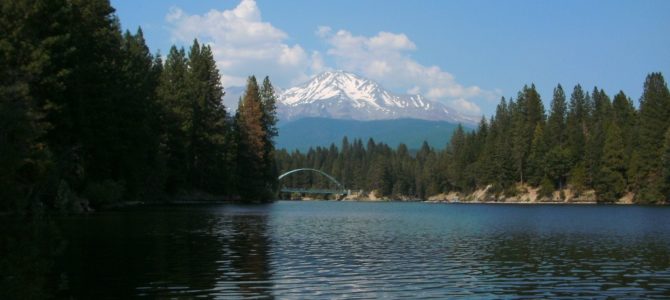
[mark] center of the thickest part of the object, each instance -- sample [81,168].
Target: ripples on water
[311,250]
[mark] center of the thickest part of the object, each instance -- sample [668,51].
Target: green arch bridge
[339,190]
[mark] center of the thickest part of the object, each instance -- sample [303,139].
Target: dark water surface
[309,250]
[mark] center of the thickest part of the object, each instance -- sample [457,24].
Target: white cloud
[318,65]
[385,57]
[465,106]
[387,40]
[243,44]
[323,31]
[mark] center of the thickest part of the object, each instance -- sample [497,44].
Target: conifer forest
[585,141]
[90,117]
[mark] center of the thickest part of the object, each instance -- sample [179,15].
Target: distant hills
[311,132]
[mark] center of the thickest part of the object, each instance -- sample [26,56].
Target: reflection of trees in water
[250,251]
[166,252]
[28,246]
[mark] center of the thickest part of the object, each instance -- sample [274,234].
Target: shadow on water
[166,252]
[29,245]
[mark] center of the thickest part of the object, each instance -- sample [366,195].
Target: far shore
[526,195]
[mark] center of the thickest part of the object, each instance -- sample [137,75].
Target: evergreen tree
[625,116]
[666,164]
[208,127]
[596,135]
[251,143]
[528,112]
[654,122]
[610,184]
[576,123]
[557,166]
[557,160]
[556,123]
[456,153]
[538,147]
[173,98]
[138,138]
[34,65]
[269,106]
[503,159]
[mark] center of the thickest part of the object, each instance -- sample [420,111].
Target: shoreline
[478,202]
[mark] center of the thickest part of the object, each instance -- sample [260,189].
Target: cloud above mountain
[385,58]
[244,44]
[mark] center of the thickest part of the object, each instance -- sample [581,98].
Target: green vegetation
[587,143]
[89,117]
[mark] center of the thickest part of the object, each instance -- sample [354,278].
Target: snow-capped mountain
[343,95]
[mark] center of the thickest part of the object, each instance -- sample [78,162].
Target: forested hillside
[589,141]
[312,132]
[89,116]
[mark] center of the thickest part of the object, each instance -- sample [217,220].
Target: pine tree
[208,128]
[597,130]
[526,114]
[610,184]
[34,65]
[654,122]
[558,160]
[557,165]
[456,153]
[666,164]
[269,103]
[576,123]
[625,116]
[173,98]
[137,132]
[538,147]
[251,145]
[502,156]
[556,123]
[269,106]
[89,129]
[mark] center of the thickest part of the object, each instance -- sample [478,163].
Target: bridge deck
[314,191]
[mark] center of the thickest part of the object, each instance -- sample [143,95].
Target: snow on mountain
[343,95]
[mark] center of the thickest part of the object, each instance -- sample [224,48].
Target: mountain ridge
[344,95]
[313,132]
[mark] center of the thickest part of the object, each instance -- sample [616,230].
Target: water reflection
[560,265]
[322,250]
[246,247]
[167,252]
[367,250]
[29,245]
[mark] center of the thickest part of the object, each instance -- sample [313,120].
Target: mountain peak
[343,95]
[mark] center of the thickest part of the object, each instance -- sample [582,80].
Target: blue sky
[466,54]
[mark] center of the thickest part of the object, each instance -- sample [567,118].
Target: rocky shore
[525,195]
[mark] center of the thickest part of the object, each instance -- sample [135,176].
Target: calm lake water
[311,250]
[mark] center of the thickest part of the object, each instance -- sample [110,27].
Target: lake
[312,250]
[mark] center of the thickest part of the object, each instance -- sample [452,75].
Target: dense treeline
[87,113]
[588,141]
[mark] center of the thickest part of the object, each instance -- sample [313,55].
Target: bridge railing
[314,191]
[339,191]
